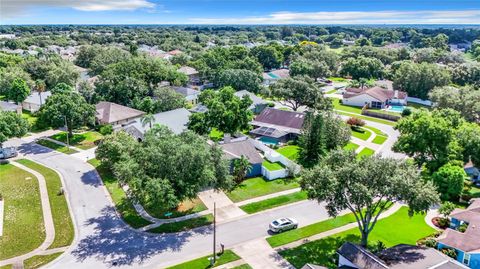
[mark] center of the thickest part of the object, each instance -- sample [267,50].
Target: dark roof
[236,149]
[313,266]
[272,116]
[108,112]
[268,131]
[361,257]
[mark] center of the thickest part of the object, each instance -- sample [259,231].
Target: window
[376,104]
[466,258]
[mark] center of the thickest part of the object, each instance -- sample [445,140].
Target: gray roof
[313,266]
[256,100]
[7,106]
[176,120]
[34,98]
[189,93]
[108,112]
[282,120]
[234,150]
[361,257]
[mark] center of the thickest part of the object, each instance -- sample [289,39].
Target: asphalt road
[105,241]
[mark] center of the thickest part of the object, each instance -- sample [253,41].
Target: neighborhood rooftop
[244,147]
[176,120]
[282,120]
[34,98]
[376,92]
[108,112]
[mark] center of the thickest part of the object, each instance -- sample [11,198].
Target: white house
[376,97]
[35,100]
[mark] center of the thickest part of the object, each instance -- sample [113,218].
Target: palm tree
[39,88]
[147,119]
[241,167]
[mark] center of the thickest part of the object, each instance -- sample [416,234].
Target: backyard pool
[396,108]
[268,141]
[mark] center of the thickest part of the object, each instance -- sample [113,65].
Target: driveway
[105,241]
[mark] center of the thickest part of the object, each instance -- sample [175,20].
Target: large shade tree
[463,99]
[366,187]
[18,91]
[12,125]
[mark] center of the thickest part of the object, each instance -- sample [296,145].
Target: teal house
[464,235]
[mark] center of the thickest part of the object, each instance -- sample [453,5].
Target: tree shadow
[116,244]
[91,178]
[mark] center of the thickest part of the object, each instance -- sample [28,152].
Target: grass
[380,137]
[40,260]
[337,79]
[379,140]
[258,186]
[291,152]
[216,135]
[338,106]
[23,229]
[272,166]
[183,225]
[8,266]
[64,231]
[399,228]
[122,203]
[361,133]
[274,202]
[365,152]
[331,91]
[243,266]
[203,262]
[351,146]
[55,146]
[312,229]
[83,141]
[33,120]
[185,208]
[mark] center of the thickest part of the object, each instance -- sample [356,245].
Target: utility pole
[66,128]
[214,232]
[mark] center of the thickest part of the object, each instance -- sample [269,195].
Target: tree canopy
[12,125]
[463,99]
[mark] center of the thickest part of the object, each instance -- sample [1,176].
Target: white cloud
[354,17]
[14,8]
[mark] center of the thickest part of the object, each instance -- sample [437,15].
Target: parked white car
[6,153]
[283,224]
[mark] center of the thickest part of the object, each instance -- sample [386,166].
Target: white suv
[283,224]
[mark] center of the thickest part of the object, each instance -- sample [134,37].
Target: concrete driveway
[105,241]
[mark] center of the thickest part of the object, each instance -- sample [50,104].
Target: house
[472,172]
[191,73]
[273,76]
[348,42]
[11,107]
[243,146]
[375,97]
[274,125]
[397,257]
[115,114]
[176,120]
[191,95]
[35,100]
[464,234]
[258,104]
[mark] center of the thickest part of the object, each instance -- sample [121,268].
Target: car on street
[283,224]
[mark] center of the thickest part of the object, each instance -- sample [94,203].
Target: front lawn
[215,135]
[337,79]
[33,120]
[351,146]
[365,152]
[274,202]
[272,166]
[350,114]
[183,225]
[396,229]
[55,146]
[361,133]
[64,231]
[243,266]
[185,208]
[258,186]
[352,109]
[23,229]
[203,262]
[40,260]
[291,152]
[83,141]
[123,205]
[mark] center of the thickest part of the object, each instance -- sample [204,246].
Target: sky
[239,12]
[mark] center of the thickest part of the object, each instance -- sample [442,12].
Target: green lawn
[291,152]
[40,260]
[365,152]
[379,140]
[258,186]
[33,120]
[337,79]
[312,229]
[55,146]
[122,203]
[272,166]
[64,231]
[185,208]
[351,146]
[352,109]
[361,133]
[399,228]
[386,122]
[216,135]
[23,229]
[183,225]
[274,202]
[8,266]
[84,141]
[331,91]
[243,266]
[380,137]
[204,262]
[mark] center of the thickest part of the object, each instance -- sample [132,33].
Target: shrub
[446,208]
[431,243]
[406,112]
[271,104]
[378,247]
[443,222]
[106,129]
[355,122]
[450,252]
[462,228]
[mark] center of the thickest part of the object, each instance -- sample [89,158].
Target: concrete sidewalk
[258,254]
[225,208]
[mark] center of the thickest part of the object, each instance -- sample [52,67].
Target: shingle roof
[376,92]
[256,100]
[185,91]
[7,106]
[361,257]
[187,70]
[176,120]
[290,121]
[236,149]
[108,112]
[34,98]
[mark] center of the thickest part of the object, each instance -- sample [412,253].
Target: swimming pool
[268,140]
[395,108]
